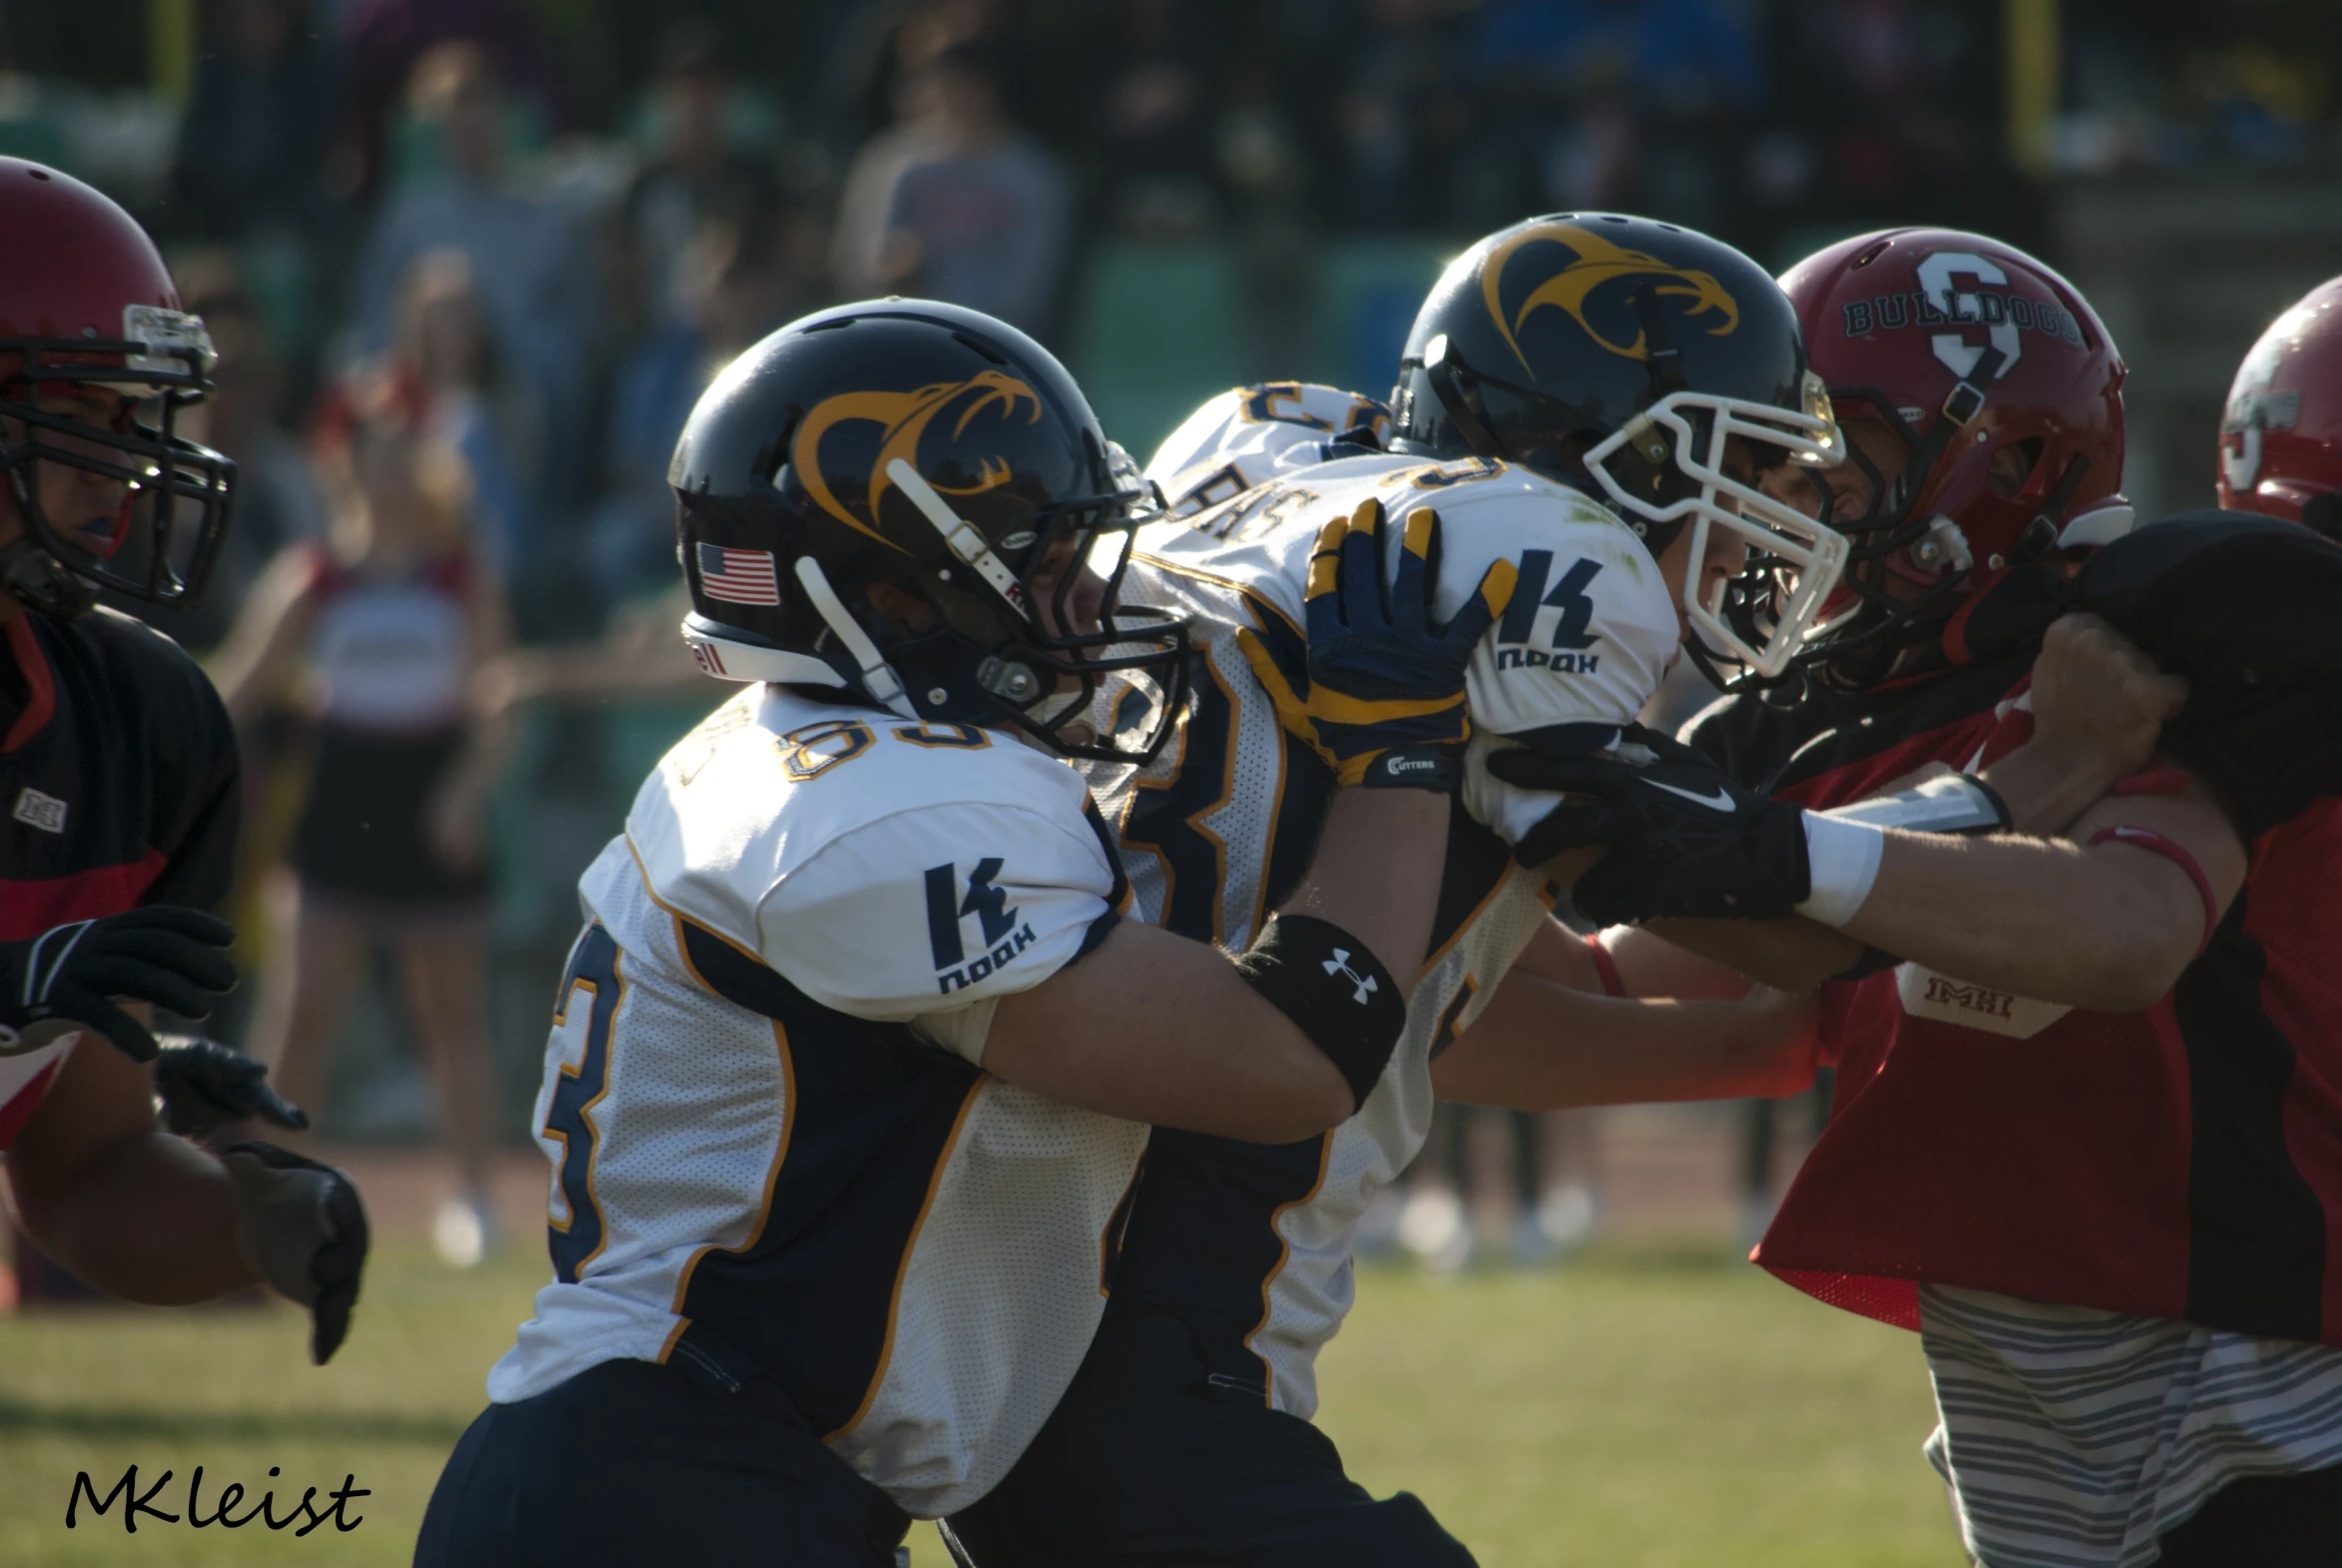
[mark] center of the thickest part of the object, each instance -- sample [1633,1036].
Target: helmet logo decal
[1960,304]
[904,417]
[1598,262]
[2252,409]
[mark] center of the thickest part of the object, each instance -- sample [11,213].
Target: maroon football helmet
[1982,400]
[85,302]
[2281,438]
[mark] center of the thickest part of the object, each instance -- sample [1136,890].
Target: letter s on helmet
[1968,353]
[87,304]
[2281,435]
[1621,355]
[936,450]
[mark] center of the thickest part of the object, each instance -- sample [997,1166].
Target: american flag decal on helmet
[738,576]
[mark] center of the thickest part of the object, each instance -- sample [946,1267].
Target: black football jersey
[118,774]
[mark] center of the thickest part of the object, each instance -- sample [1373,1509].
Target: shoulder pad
[2241,606]
[769,780]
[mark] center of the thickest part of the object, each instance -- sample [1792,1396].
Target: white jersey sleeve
[1589,634]
[891,871]
[1249,435]
[936,910]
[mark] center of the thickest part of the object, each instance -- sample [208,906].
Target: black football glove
[1683,840]
[205,1085]
[172,957]
[1384,676]
[300,1226]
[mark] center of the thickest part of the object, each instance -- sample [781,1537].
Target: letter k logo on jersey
[1340,963]
[1004,938]
[1567,633]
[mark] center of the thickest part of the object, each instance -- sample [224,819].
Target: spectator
[976,212]
[734,292]
[867,198]
[531,278]
[696,179]
[474,409]
[384,41]
[1160,176]
[252,146]
[393,618]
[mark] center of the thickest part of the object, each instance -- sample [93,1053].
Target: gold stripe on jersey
[650,891]
[1285,1253]
[772,1174]
[1451,1022]
[935,1180]
[1464,926]
[1252,600]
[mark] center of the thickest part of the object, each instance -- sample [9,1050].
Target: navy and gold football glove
[1384,703]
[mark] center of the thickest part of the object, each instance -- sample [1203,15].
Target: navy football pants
[1142,1464]
[631,1463]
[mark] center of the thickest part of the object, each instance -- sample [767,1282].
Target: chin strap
[878,677]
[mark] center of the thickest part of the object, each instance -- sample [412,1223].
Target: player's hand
[205,1085]
[300,1226]
[1384,676]
[1683,840]
[2099,703]
[171,956]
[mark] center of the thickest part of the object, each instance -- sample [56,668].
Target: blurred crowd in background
[470,263]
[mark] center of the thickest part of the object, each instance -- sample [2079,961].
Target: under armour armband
[1335,991]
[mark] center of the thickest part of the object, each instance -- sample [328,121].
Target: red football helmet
[86,304]
[2281,439]
[1982,402]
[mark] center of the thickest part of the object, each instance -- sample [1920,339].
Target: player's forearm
[2044,789]
[152,1219]
[1542,1045]
[1154,1027]
[2042,918]
[1376,873]
[1788,955]
[1649,964]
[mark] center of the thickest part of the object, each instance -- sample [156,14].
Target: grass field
[1640,1408]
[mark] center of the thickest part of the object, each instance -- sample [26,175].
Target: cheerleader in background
[385,626]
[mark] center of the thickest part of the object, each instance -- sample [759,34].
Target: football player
[1589,398]
[118,769]
[2087,1136]
[851,1069]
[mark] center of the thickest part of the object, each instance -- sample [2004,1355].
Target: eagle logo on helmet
[904,417]
[1598,262]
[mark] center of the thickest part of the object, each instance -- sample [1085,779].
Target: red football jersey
[2183,1162]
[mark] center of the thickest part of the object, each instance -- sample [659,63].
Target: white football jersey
[1250,1244]
[772,1151]
[1251,435]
